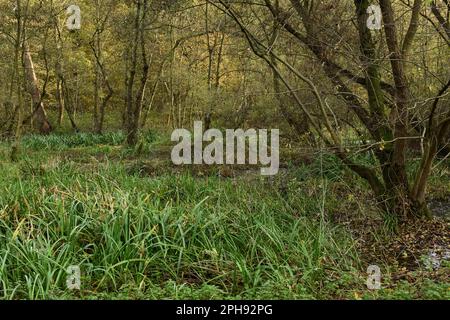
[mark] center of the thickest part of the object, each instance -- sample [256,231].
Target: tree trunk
[40,114]
[15,150]
[134,101]
[60,101]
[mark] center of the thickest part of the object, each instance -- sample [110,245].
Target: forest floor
[141,228]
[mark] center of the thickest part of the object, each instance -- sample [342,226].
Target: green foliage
[126,230]
[59,142]
[173,236]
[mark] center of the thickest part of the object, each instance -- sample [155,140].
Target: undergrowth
[174,236]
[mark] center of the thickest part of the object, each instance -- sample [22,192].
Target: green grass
[173,236]
[64,141]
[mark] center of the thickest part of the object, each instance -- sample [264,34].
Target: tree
[386,117]
[134,100]
[101,77]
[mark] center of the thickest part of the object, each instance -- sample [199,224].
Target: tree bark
[42,122]
[134,100]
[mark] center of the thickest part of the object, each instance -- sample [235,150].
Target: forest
[224,149]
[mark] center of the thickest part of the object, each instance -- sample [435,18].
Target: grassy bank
[139,228]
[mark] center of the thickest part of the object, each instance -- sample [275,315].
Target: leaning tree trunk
[42,123]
